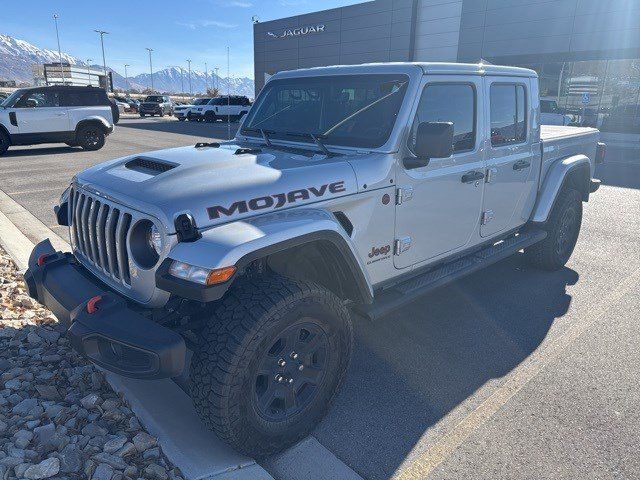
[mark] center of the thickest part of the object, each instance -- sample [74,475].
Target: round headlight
[154,239]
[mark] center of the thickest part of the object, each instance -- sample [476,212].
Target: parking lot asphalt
[509,373]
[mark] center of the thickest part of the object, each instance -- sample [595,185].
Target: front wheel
[91,137]
[563,228]
[209,117]
[270,362]
[5,141]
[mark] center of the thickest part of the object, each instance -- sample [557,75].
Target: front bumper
[109,333]
[195,115]
[179,114]
[151,110]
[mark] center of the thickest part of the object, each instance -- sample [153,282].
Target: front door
[39,111]
[510,159]
[440,207]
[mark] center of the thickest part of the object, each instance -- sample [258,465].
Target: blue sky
[176,30]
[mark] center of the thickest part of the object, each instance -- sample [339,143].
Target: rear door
[510,177]
[39,111]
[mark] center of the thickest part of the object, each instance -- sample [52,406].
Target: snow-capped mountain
[17,57]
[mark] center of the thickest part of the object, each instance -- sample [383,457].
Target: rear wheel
[209,117]
[270,362]
[5,141]
[91,137]
[563,228]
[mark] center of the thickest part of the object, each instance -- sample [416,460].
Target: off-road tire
[225,366]
[209,117]
[5,142]
[563,228]
[91,137]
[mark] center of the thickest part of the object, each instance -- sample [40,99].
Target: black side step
[406,292]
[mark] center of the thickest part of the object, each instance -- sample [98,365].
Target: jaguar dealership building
[586,52]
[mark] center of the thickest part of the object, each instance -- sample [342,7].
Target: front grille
[99,232]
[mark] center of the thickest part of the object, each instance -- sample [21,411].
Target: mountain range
[18,56]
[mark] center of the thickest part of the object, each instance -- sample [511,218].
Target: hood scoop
[149,166]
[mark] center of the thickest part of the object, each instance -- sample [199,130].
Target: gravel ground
[59,418]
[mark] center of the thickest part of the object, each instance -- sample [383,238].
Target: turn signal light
[220,275]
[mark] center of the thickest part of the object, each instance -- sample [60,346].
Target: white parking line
[439,452]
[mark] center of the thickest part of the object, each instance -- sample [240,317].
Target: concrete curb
[162,407]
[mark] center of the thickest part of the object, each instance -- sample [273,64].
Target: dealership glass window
[597,93]
[454,103]
[507,111]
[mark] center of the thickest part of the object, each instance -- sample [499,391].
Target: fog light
[203,276]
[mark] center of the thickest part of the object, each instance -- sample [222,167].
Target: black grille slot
[149,166]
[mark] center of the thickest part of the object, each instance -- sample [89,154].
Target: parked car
[181,111]
[231,108]
[404,177]
[77,116]
[3,95]
[550,114]
[130,105]
[156,105]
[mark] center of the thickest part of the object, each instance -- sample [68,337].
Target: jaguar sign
[297,32]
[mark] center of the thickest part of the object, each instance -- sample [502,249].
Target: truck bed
[554,132]
[558,141]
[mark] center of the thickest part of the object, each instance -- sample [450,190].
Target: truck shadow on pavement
[26,151]
[196,129]
[621,168]
[414,367]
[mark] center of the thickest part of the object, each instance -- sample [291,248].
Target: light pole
[206,78]
[104,62]
[181,81]
[89,60]
[55,19]
[217,79]
[126,77]
[150,66]
[189,62]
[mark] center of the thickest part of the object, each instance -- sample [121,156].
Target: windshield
[11,99]
[153,98]
[218,101]
[347,110]
[201,101]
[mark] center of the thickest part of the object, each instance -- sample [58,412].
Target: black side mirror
[434,140]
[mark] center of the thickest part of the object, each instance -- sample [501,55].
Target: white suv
[77,116]
[232,108]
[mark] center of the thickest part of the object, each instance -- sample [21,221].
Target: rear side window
[508,114]
[83,99]
[456,103]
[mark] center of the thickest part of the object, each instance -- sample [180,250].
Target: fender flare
[554,182]
[241,243]
[94,119]
[5,130]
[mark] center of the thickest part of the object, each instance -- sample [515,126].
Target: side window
[508,114]
[454,103]
[82,99]
[38,99]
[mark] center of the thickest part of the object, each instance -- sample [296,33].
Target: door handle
[472,176]
[521,165]
[61,114]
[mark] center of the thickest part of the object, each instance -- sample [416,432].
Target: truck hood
[218,184]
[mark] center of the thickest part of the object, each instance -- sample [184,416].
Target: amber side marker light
[220,275]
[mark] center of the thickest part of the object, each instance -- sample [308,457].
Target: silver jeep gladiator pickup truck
[347,190]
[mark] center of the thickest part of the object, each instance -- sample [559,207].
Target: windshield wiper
[265,134]
[316,137]
[395,90]
[271,116]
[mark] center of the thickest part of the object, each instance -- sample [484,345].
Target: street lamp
[206,77]
[126,77]
[181,81]
[104,62]
[150,66]
[217,79]
[89,60]
[55,19]
[189,62]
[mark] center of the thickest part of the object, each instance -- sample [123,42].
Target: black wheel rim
[291,371]
[91,138]
[566,233]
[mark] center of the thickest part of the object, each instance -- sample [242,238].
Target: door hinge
[487,217]
[404,194]
[401,245]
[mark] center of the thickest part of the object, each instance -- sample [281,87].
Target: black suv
[156,105]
